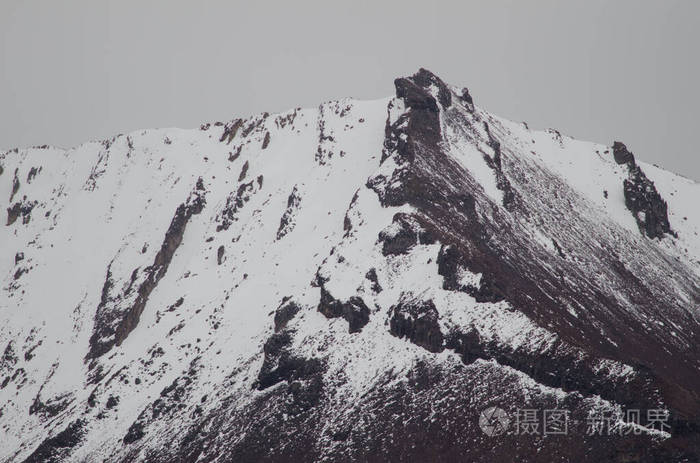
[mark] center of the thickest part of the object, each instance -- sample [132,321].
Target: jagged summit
[353,282]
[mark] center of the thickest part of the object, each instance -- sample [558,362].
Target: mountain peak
[359,281]
[622,155]
[423,90]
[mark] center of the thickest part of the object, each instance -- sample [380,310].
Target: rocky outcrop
[413,91]
[494,162]
[421,124]
[285,313]
[236,201]
[56,448]
[287,220]
[493,244]
[15,185]
[21,209]
[371,275]
[32,174]
[244,172]
[411,140]
[646,204]
[113,323]
[561,366]
[452,266]
[303,376]
[649,209]
[230,131]
[467,99]
[417,321]
[621,154]
[403,234]
[354,310]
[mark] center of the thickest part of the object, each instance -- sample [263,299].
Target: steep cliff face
[353,282]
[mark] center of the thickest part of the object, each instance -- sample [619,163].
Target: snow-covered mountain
[353,282]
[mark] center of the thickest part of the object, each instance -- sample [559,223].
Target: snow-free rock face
[355,282]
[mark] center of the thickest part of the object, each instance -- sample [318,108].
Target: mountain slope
[352,282]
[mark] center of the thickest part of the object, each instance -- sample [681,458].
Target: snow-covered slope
[351,282]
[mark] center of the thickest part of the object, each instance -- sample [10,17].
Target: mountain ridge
[412,233]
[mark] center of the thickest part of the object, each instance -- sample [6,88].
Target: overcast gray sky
[72,71]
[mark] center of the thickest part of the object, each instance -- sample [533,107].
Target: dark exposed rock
[19,256]
[451,264]
[416,130]
[280,364]
[230,130]
[371,275]
[172,399]
[558,367]
[105,318]
[15,185]
[402,235]
[502,182]
[467,99]
[287,220]
[622,155]
[283,120]
[414,135]
[436,402]
[233,156]
[493,244]
[9,357]
[488,290]
[19,272]
[244,171]
[468,344]
[354,310]
[275,346]
[135,432]
[422,124]
[284,313]
[558,248]
[55,449]
[266,141]
[254,124]
[324,151]
[418,321]
[177,304]
[32,173]
[20,209]
[220,255]
[112,402]
[413,90]
[347,221]
[29,354]
[234,203]
[112,324]
[646,204]
[49,408]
